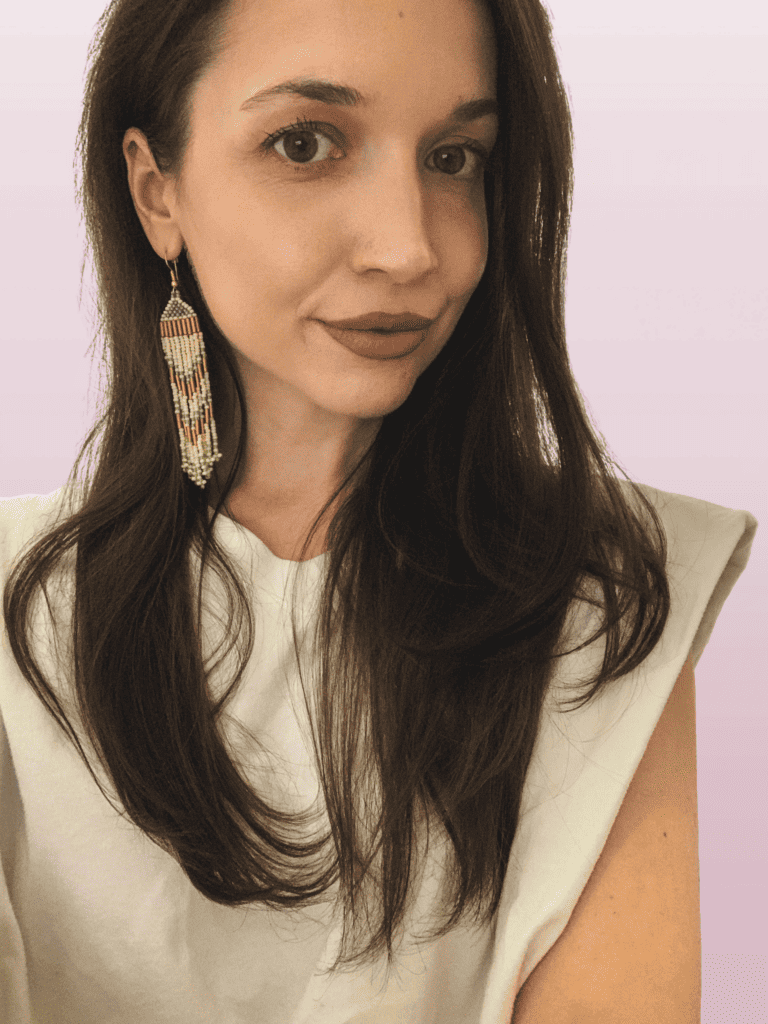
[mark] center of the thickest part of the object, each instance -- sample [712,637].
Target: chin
[374,402]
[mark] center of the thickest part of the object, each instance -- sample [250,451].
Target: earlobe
[150,190]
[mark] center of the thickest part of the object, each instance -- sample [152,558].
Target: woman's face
[378,207]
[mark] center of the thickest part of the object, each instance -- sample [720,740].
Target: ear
[154,196]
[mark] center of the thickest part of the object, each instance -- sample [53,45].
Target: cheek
[250,229]
[466,253]
[258,264]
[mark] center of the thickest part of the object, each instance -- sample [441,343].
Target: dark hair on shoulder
[485,503]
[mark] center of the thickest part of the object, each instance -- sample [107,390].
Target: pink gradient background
[667,331]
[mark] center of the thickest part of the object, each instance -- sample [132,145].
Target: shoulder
[695,529]
[22,509]
[708,548]
[23,519]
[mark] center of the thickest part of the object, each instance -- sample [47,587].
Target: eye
[300,149]
[476,164]
[303,152]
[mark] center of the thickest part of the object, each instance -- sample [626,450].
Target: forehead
[387,49]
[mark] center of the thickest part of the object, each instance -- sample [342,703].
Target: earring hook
[173,271]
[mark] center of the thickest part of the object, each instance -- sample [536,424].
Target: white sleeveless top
[100,926]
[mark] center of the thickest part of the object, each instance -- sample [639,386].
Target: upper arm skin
[631,951]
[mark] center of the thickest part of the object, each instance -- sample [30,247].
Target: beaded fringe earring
[184,352]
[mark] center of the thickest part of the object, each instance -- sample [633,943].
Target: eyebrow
[346,96]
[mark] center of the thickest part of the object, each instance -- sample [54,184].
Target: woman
[410,824]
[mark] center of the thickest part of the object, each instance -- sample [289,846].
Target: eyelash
[303,125]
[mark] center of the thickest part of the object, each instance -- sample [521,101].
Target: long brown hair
[485,502]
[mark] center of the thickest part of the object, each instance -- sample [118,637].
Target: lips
[378,321]
[377,344]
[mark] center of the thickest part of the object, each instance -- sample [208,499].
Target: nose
[392,227]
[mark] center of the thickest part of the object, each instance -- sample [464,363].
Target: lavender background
[667,320]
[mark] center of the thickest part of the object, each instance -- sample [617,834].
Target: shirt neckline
[234,528]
